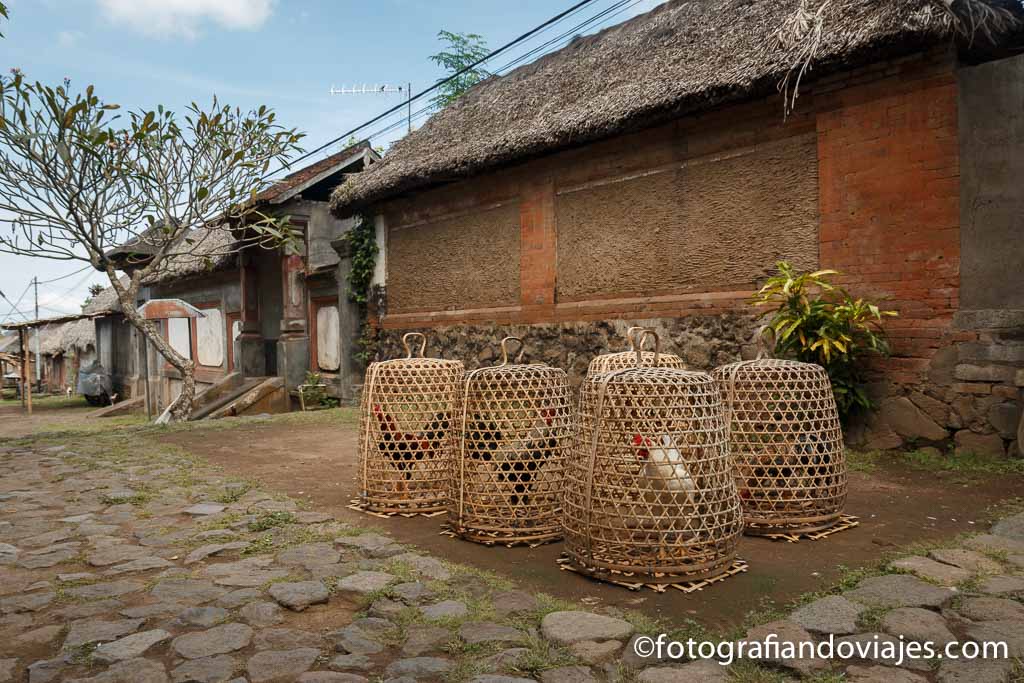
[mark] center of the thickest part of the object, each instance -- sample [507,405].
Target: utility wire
[402,105]
[64,277]
[14,306]
[8,313]
[504,68]
[77,284]
[602,17]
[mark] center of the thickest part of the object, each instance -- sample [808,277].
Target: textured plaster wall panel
[992,167]
[179,334]
[464,261]
[327,344]
[210,338]
[718,220]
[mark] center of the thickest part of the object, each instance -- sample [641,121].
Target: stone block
[1005,417]
[1006,391]
[1020,434]
[978,444]
[909,421]
[940,368]
[973,388]
[989,319]
[983,373]
[971,352]
[933,408]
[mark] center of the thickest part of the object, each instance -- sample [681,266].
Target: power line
[604,16]
[14,306]
[410,116]
[375,119]
[77,284]
[57,310]
[51,309]
[571,33]
[34,283]
[64,277]
[557,41]
[8,313]
[601,18]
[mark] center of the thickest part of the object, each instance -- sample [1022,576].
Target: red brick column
[537,250]
[890,207]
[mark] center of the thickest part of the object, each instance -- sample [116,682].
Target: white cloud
[68,39]
[169,18]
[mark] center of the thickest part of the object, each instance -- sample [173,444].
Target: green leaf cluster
[816,321]
[362,242]
[462,50]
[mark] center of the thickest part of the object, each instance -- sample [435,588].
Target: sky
[286,54]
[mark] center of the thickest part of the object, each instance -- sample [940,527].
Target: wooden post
[26,371]
[21,369]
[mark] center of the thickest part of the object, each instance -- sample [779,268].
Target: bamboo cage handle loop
[642,337]
[504,350]
[631,336]
[423,343]
[765,339]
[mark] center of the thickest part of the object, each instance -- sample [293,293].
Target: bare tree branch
[79,179]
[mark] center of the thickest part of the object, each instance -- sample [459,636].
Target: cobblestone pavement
[118,564]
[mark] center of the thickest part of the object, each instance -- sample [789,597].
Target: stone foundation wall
[971,398]
[703,341]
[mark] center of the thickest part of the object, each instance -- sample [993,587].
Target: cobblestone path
[139,567]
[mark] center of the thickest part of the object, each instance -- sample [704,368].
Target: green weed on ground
[968,464]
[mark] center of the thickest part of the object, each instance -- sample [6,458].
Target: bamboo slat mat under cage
[635,582]
[516,427]
[786,444]
[844,523]
[407,433]
[649,490]
[627,359]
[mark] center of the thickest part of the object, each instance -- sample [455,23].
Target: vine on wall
[363,249]
[362,241]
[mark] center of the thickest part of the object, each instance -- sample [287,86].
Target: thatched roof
[211,251]
[105,302]
[683,57]
[63,338]
[80,334]
[9,343]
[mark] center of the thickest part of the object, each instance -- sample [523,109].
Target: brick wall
[888,215]
[890,202]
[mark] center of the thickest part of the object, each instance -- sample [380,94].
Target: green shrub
[315,393]
[818,322]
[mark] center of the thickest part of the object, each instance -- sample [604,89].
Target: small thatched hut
[654,174]
[57,348]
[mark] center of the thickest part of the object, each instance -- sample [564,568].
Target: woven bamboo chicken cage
[516,429]
[407,436]
[627,359]
[786,445]
[650,496]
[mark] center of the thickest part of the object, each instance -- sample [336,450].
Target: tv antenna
[380,89]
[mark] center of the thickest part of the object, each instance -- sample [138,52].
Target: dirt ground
[49,414]
[897,506]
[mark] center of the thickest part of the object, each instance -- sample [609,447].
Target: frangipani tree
[137,192]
